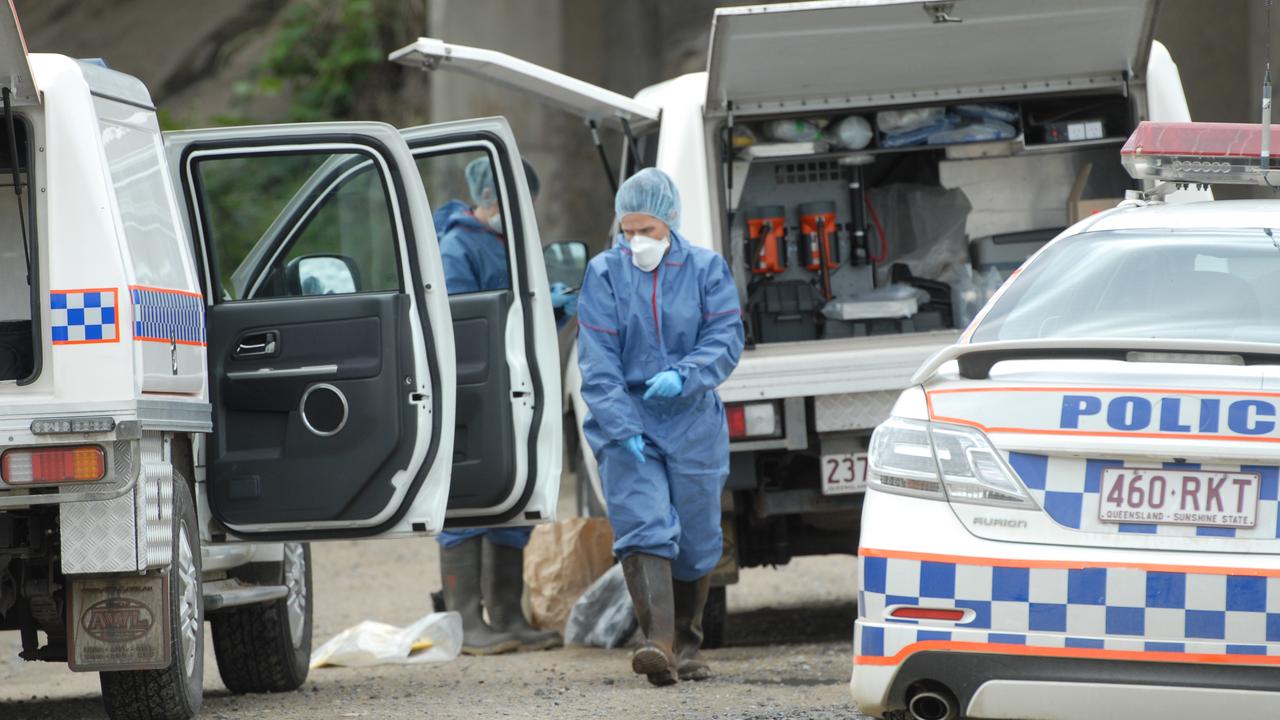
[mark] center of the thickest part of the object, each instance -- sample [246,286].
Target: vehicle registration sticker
[1179,497]
[844,473]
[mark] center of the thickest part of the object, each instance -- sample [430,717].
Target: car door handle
[261,344]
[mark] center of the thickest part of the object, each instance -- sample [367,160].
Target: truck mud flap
[119,622]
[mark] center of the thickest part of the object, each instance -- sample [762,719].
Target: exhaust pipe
[932,705]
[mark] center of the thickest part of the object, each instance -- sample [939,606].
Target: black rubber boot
[502,577]
[690,599]
[649,581]
[460,575]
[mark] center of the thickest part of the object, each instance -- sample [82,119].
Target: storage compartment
[17,350]
[831,210]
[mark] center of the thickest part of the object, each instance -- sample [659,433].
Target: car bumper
[1057,626]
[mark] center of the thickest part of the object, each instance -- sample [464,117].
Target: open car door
[507,430]
[330,350]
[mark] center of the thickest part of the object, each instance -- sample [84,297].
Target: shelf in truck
[1015,146]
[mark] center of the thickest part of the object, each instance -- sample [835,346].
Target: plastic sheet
[924,228]
[603,616]
[981,131]
[434,638]
[970,291]
[988,111]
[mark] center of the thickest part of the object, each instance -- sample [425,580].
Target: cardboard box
[1079,209]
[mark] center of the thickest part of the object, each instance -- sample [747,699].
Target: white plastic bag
[970,292]
[603,616]
[434,638]
[891,122]
[851,133]
[792,130]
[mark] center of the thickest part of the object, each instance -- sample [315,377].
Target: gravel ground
[788,656]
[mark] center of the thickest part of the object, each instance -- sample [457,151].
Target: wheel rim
[188,603]
[295,578]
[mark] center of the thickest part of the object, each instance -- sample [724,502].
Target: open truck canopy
[804,56]
[591,102]
[15,70]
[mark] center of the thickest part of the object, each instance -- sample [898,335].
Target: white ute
[1075,79]
[218,345]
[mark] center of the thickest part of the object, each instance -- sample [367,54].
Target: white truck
[1073,79]
[218,345]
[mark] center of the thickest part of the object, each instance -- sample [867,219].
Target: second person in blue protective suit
[482,568]
[659,328]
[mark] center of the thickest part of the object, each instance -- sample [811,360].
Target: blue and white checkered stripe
[164,316]
[83,316]
[1095,607]
[1069,489]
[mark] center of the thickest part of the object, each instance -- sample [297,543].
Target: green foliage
[323,52]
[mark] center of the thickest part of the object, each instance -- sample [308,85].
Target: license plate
[1179,497]
[844,473]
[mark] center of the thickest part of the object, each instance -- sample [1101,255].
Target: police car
[1073,512]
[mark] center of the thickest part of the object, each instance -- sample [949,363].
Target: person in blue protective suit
[473,242]
[659,328]
[483,568]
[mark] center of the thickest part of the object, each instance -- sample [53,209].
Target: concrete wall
[191,53]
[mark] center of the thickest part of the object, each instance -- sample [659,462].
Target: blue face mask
[495,222]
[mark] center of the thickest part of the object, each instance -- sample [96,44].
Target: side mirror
[322,275]
[566,263]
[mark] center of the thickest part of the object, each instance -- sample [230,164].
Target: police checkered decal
[84,316]
[1069,490]
[1106,608]
[168,315]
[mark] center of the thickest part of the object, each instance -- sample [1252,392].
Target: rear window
[1145,284]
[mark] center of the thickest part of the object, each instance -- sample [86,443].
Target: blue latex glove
[560,295]
[635,444]
[666,384]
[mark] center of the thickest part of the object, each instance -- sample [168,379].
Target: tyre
[176,692]
[715,618]
[266,648]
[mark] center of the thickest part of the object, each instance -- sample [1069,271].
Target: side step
[222,594]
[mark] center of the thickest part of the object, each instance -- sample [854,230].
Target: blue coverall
[475,259]
[684,316]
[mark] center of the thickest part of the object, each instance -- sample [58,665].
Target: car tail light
[942,461]
[53,465]
[908,612]
[753,420]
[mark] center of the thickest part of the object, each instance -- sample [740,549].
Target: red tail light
[754,420]
[737,415]
[53,465]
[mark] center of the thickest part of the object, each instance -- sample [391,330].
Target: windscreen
[1145,284]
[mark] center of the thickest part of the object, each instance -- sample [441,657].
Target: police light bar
[1201,153]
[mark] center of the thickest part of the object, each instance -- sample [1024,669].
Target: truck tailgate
[828,367]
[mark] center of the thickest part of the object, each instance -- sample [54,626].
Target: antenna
[1266,97]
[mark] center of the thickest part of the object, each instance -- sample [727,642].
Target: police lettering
[1134,413]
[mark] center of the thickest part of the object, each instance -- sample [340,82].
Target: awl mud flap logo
[117,620]
[119,623]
